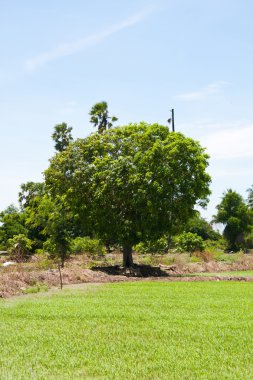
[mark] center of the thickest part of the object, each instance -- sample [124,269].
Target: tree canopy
[131,183]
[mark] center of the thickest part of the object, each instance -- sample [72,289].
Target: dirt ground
[16,279]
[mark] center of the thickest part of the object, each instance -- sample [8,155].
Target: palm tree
[100,117]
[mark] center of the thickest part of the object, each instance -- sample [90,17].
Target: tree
[198,225]
[12,222]
[237,218]
[58,228]
[250,197]
[131,184]
[100,117]
[30,196]
[62,136]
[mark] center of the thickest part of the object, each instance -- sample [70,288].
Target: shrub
[20,247]
[157,246]
[189,242]
[36,289]
[87,245]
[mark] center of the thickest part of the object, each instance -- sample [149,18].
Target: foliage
[250,197]
[131,184]
[55,223]
[62,136]
[58,228]
[208,326]
[12,222]
[189,242]
[237,218]
[86,244]
[201,227]
[157,246]
[100,117]
[29,192]
[20,247]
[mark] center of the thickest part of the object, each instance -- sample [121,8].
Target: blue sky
[58,58]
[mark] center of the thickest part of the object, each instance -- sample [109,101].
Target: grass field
[136,330]
[237,273]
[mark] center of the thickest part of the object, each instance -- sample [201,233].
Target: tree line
[125,186]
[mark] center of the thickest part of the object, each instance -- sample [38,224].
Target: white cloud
[233,143]
[73,47]
[203,93]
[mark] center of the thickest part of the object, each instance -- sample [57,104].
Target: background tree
[12,222]
[62,136]
[250,197]
[28,192]
[100,117]
[237,218]
[132,183]
[198,225]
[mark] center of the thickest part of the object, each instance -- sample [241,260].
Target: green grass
[130,331]
[236,273]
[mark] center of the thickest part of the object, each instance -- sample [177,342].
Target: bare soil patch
[15,279]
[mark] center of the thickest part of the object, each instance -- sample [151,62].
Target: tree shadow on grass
[134,271]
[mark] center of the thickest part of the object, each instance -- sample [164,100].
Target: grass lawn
[138,330]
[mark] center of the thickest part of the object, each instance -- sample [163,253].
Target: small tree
[100,117]
[58,227]
[62,136]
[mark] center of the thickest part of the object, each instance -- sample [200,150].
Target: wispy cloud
[203,93]
[230,143]
[73,47]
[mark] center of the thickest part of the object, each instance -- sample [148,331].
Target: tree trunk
[127,256]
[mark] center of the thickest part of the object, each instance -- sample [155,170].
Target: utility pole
[172,117]
[171,120]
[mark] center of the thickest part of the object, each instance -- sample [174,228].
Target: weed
[36,288]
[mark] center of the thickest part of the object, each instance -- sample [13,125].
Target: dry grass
[42,271]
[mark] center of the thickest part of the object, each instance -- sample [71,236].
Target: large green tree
[100,117]
[131,183]
[235,215]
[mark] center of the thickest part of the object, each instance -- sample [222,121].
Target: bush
[20,247]
[36,289]
[157,246]
[189,242]
[87,245]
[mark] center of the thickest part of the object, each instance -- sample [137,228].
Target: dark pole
[172,120]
